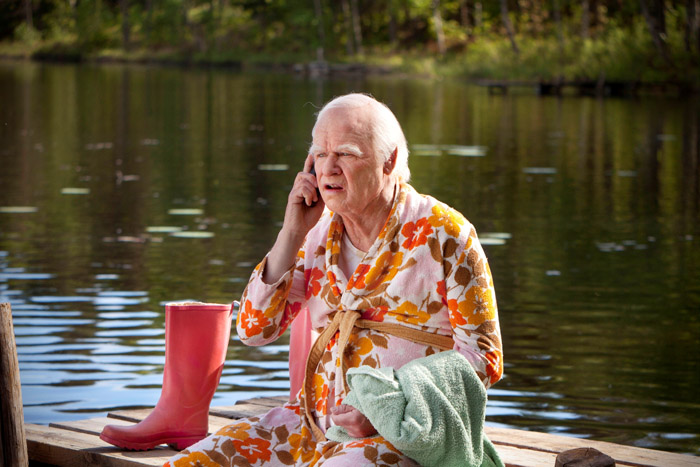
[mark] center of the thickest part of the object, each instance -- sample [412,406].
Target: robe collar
[392,226]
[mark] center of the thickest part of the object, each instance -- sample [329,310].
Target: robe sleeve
[268,309]
[473,312]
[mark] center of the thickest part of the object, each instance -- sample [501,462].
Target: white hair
[386,133]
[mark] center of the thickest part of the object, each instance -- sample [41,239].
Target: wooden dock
[76,444]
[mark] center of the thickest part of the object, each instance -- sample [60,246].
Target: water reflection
[127,187]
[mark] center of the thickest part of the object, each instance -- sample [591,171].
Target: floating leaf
[106,277]
[192,234]
[466,151]
[426,150]
[273,167]
[425,147]
[163,229]
[98,146]
[18,209]
[433,150]
[492,241]
[501,235]
[30,276]
[75,191]
[186,212]
[539,170]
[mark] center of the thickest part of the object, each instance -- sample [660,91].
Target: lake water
[125,187]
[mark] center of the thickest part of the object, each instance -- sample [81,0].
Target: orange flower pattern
[416,234]
[426,270]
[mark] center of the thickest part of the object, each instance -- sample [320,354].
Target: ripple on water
[123,323]
[131,333]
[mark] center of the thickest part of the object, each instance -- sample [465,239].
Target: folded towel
[431,409]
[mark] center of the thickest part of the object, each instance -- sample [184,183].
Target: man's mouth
[332,187]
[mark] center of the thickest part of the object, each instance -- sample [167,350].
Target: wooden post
[13,444]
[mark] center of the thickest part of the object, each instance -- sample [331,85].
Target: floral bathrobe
[425,271]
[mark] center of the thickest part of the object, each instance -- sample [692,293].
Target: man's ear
[391,162]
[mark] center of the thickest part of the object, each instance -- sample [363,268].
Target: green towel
[431,409]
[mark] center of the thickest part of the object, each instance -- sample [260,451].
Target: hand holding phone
[318,192]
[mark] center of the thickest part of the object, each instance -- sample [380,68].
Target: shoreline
[329,68]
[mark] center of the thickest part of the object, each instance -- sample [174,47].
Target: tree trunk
[437,18]
[185,16]
[149,20]
[653,11]
[464,16]
[393,24]
[349,48]
[126,27]
[321,50]
[557,21]
[585,18]
[357,27]
[478,16]
[509,26]
[692,25]
[29,17]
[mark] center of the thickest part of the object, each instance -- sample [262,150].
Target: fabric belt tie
[345,321]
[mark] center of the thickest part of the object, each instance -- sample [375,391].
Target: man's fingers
[308,163]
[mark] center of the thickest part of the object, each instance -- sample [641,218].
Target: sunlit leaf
[273,167]
[192,234]
[75,191]
[539,170]
[186,212]
[163,229]
[18,209]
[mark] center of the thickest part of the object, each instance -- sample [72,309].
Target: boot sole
[176,442]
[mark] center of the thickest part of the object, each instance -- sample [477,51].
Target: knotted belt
[346,320]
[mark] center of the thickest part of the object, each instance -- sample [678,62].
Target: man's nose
[331,166]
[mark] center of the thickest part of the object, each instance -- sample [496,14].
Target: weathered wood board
[77,443]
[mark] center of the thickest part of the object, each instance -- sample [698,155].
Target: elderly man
[390,278]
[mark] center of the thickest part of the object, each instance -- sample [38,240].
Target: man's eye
[344,154]
[321,155]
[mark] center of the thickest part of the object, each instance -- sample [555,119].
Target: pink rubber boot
[196,339]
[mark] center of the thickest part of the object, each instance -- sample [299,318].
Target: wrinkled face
[350,176]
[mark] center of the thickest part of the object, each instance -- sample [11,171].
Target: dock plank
[77,443]
[94,426]
[70,449]
[240,410]
[516,457]
[623,455]
[271,402]
[91,426]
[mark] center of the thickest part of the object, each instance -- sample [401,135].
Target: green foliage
[619,45]
[93,19]
[27,34]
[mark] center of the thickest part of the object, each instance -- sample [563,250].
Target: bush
[27,34]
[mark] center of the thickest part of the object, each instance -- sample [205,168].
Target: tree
[692,25]
[585,18]
[126,27]
[28,13]
[320,51]
[347,16]
[357,28]
[509,26]
[655,16]
[437,19]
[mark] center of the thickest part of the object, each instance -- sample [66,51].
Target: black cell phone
[313,172]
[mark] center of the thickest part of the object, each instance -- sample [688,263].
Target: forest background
[649,41]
